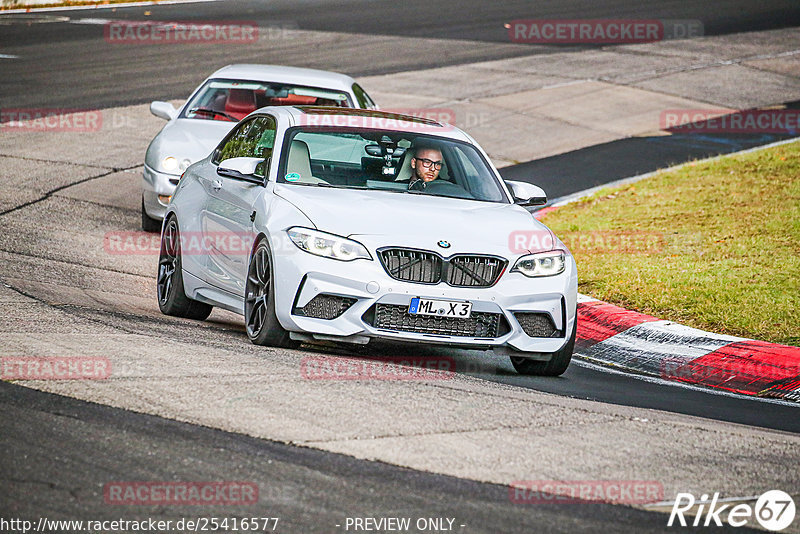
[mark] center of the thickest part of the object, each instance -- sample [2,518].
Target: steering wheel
[447,189]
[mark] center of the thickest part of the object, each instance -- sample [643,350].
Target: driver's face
[431,173]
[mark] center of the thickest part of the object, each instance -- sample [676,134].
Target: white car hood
[191,139]
[378,218]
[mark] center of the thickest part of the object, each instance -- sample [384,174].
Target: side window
[252,139]
[364,101]
[475,177]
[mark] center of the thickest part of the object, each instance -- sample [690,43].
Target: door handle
[216,185]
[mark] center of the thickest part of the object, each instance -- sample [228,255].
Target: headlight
[541,264]
[169,164]
[327,245]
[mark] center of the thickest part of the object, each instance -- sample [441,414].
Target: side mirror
[526,194]
[163,110]
[245,169]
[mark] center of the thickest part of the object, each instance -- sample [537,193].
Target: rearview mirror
[163,110]
[526,194]
[246,169]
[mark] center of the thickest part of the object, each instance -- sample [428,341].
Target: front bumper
[156,183]
[300,277]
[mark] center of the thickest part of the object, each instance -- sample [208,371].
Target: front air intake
[325,307]
[537,324]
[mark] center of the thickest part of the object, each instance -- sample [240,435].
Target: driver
[425,166]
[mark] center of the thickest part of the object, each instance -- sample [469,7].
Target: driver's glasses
[426,163]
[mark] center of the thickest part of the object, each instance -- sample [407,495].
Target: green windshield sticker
[292,177]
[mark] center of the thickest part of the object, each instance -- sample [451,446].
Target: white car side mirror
[163,110]
[526,194]
[242,169]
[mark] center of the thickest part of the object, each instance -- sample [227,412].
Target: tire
[172,299]
[557,364]
[149,224]
[260,319]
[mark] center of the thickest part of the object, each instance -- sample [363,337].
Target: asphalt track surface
[72,448]
[67,442]
[70,65]
[590,382]
[588,167]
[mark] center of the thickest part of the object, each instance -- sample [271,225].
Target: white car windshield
[398,162]
[232,100]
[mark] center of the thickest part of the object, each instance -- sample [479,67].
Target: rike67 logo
[774,511]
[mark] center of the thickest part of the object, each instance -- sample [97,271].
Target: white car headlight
[541,264]
[327,245]
[169,164]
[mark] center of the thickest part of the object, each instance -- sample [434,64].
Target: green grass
[714,245]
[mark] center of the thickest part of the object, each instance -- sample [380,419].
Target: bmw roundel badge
[444,244]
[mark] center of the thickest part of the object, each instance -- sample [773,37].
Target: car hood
[191,139]
[379,218]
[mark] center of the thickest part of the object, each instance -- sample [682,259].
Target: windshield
[398,162]
[233,100]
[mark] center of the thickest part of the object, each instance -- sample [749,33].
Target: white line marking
[8,56]
[98,22]
[707,501]
[566,84]
[33,9]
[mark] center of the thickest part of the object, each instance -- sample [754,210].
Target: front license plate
[440,308]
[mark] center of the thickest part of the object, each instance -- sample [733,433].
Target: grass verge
[714,245]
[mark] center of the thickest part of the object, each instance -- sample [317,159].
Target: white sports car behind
[222,100]
[348,225]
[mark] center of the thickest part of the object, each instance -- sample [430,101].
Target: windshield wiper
[342,186]
[360,187]
[325,184]
[209,111]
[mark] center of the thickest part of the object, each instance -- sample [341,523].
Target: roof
[324,117]
[289,75]
[371,113]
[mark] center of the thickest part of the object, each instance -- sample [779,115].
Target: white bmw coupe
[320,224]
[222,100]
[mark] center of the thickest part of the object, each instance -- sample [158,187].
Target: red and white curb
[615,337]
[624,339]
